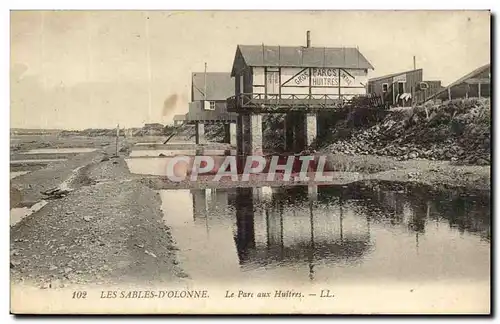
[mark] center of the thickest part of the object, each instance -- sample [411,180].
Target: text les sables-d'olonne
[154,294]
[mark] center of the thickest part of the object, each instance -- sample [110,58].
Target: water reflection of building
[207,202]
[415,207]
[293,228]
[308,227]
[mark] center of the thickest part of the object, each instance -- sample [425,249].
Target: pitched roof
[219,86]
[469,75]
[299,56]
[390,75]
[479,70]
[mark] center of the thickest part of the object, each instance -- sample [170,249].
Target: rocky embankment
[458,131]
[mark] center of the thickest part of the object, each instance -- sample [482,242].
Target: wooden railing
[299,101]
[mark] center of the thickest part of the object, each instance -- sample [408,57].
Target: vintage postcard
[250,162]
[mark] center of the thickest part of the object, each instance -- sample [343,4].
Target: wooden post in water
[117,136]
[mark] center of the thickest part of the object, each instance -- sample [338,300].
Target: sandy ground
[109,227]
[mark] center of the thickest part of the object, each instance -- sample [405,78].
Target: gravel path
[108,229]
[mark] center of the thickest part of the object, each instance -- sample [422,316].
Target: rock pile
[458,130]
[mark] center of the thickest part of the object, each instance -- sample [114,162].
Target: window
[209,105]
[423,86]
[258,76]
[385,87]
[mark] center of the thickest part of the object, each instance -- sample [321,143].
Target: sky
[97,69]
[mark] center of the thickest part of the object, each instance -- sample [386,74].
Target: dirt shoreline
[109,228]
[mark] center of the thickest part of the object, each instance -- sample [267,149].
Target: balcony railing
[286,102]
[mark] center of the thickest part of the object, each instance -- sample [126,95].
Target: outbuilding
[476,84]
[403,88]
[209,91]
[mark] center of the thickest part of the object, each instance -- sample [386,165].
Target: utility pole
[414,62]
[42,59]
[205,84]
[117,136]
[89,55]
[148,66]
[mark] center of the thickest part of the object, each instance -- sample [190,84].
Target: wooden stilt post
[393,94]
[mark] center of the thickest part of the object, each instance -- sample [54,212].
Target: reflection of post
[282,230]
[416,241]
[274,225]
[231,197]
[311,252]
[341,219]
[398,209]
[312,192]
[221,199]
[257,193]
[199,204]
[268,231]
[210,205]
[368,224]
[418,220]
[245,233]
[436,219]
